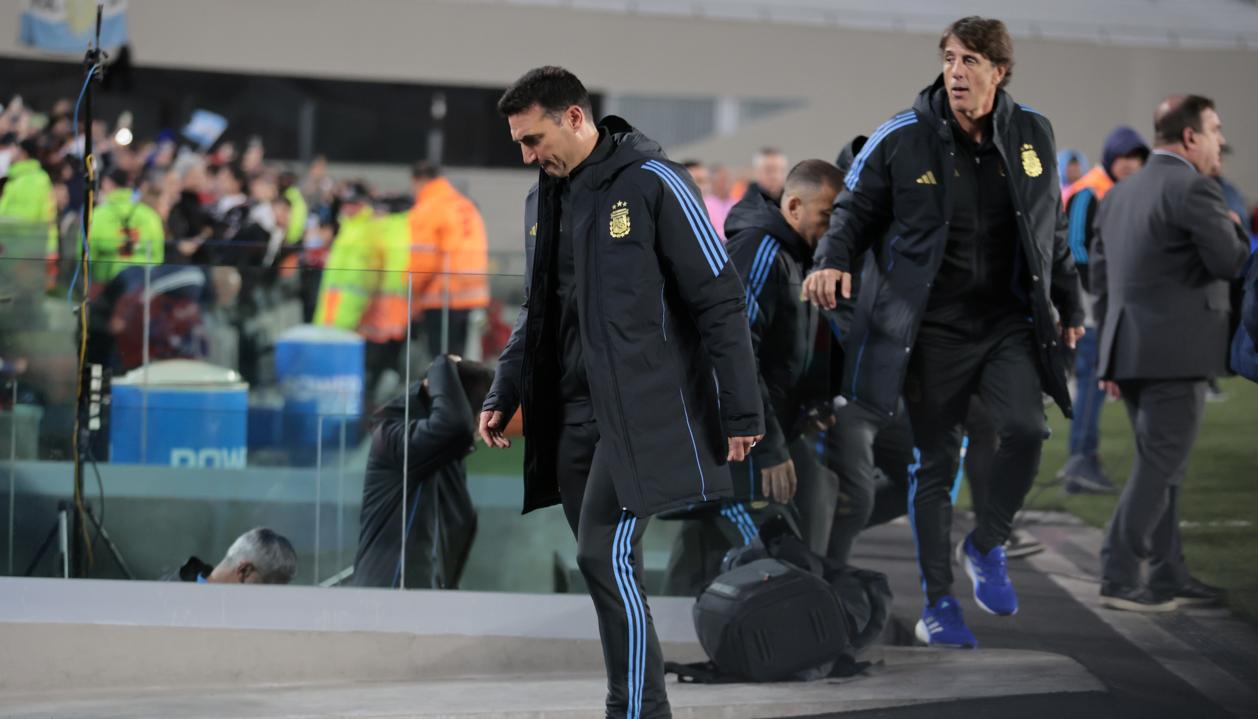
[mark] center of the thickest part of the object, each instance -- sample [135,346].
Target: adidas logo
[927,179]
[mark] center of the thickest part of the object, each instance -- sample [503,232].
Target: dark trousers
[864,502]
[1165,418]
[860,442]
[377,358]
[701,544]
[575,456]
[610,558]
[980,454]
[456,326]
[945,370]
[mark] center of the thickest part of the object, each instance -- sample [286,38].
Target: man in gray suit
[1163,253]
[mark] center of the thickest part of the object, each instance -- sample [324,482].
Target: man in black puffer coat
[633,368]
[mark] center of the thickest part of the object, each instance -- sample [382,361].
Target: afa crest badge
[619,226]
[533,230]
[1031,162]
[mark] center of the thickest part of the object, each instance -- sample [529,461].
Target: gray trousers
[1165,417]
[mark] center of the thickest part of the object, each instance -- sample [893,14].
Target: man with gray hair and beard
[259,556]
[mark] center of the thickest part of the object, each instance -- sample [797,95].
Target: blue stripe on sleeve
[759,274]
[902,120]
[700,224]
[1078,225]
[751,273]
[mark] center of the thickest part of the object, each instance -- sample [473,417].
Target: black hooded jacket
[437,506]
[897,203]
[664,332]
[772,259]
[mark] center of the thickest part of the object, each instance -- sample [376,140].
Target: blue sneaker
[992,589]
[941,625]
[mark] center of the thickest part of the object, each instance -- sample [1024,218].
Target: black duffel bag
[768,620]
[780,612]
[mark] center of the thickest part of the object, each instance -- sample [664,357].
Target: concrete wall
[851,79]
[102,634]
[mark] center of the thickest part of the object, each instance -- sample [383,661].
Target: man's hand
[1110,389]
[821,419]
[1072,335]
[819,287]
[492,423]
[778,482]
[740,447]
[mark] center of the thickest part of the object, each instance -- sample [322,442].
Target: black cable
[100,488]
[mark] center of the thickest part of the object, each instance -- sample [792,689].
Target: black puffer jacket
[892,206]
[663,330]
[771,259]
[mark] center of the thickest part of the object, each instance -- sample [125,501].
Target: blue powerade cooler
[180,413]
[320,374]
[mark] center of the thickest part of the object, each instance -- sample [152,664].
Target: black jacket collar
[756,211]
[932,106]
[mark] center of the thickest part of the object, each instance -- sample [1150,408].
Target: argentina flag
[69,26]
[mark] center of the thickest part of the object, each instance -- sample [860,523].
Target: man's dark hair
[986,36]
[768,150]
[30,146]
[425,170]
[1169,128]
[551,87]
[120,177]
[812,175]
[238,173]
[691,164]
[476,379]
[848,154]
[286,179]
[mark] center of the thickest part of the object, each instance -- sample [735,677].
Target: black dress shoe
[1136,599]
[1196,593]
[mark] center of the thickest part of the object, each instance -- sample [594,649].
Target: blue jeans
[1085,427]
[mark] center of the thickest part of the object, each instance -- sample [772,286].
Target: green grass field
[1219,501]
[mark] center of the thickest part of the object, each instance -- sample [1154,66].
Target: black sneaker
[1136,599]
[1196,593]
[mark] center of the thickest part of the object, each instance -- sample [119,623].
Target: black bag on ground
[779,611]
[768,620]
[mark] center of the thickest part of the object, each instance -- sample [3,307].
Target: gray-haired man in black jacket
[635,371]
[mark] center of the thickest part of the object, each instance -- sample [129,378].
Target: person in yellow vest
[449,259]
[345,290]
[28,194]
[296,227]
[384,322]
[123,231]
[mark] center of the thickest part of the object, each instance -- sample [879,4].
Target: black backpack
[768,620]
[778,612]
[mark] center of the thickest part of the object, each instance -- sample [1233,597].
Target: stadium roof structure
[1219,24]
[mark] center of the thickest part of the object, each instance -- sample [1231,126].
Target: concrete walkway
[1190,663]
[91,650]
[905,677]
